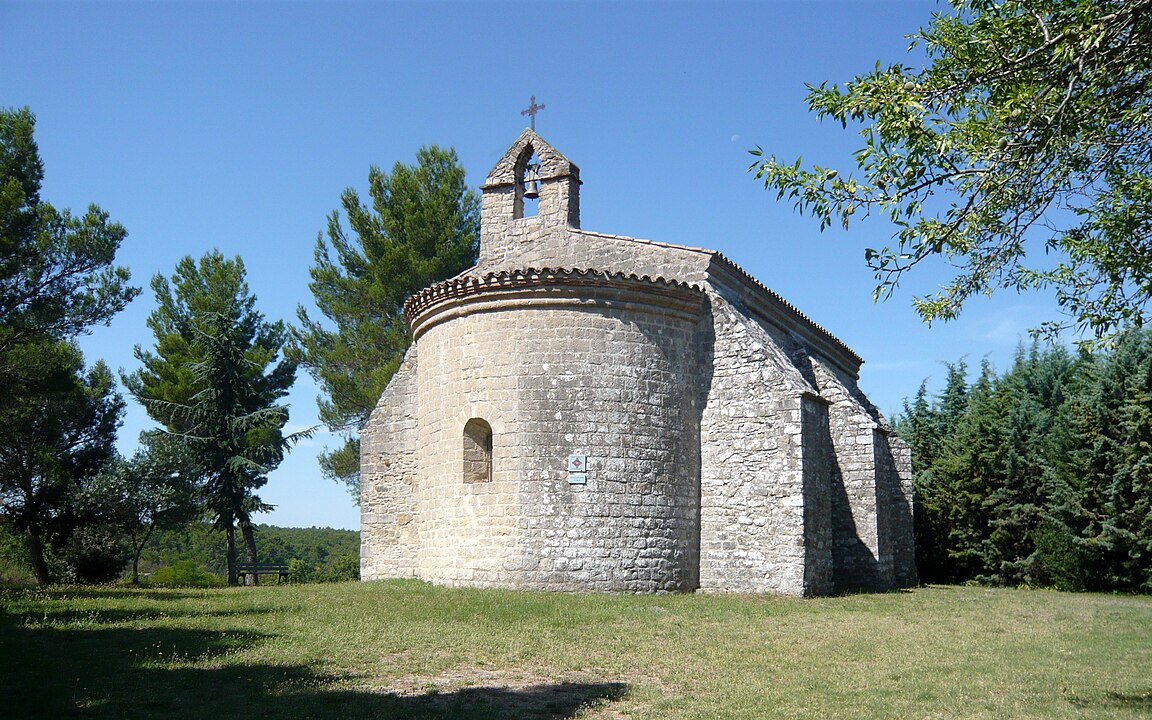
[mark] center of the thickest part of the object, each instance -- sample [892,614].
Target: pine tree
[929,429]
[56,273]
[1028,399]
[57,279]
[1042,475]
[1100,536]
[423,226]
[964,474]
[1127,528]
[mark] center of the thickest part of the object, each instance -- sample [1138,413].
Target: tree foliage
[57,427]
[1102,478]
[158,488]
[57,420]
[422,226]
[56,273]
[1021,154]
[1040,475]
[312,554]
[213,382]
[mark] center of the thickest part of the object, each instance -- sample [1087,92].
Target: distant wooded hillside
[313,554]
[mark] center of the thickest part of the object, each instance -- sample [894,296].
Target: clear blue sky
[201,125]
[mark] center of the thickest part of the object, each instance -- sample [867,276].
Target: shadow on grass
[1116,701]
[62,615]
[850,591]
[111,616]
[540,702]
[108,592]
[116,672]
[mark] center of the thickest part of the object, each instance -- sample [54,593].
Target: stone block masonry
[728,446]
[614,383]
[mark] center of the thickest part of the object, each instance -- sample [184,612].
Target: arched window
[477,451]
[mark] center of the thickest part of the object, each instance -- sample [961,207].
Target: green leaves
[57,426]
[58,421]
[1029,127]
[213,382]
[422,226]
[1040,475]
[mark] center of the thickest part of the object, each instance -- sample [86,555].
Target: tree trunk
[138,549]
[250,549]
[36,553]
[230,537]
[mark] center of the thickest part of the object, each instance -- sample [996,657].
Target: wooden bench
[244,569]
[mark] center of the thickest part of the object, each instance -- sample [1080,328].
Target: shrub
[341,569]
[14,562]
[96,554]
[184,573]
[300,571]
[338,569]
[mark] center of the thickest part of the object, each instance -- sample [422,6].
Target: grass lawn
[404,649]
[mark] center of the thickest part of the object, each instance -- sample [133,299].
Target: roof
[465,284]
[718,258]
[552,162]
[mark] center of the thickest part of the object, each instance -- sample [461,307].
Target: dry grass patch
[465,690]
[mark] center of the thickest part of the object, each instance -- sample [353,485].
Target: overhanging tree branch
[1028,114]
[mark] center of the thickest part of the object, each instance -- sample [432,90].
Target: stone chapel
[583,411]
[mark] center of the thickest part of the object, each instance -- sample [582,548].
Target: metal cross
[532,110]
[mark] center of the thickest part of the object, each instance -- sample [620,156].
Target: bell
[531,189]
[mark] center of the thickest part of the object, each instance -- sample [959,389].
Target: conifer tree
[213,383]
[423,225]
[1029,396]
[966,471]
[57,279]
[56,273]
[1103,473]
[928,427]
[1045,477]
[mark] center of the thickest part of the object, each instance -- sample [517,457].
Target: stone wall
[894,465]
[752,478]
[605,371]
[819,457]
[389,518]
[558,179]
[519,244]
[795,447]
[873,545]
